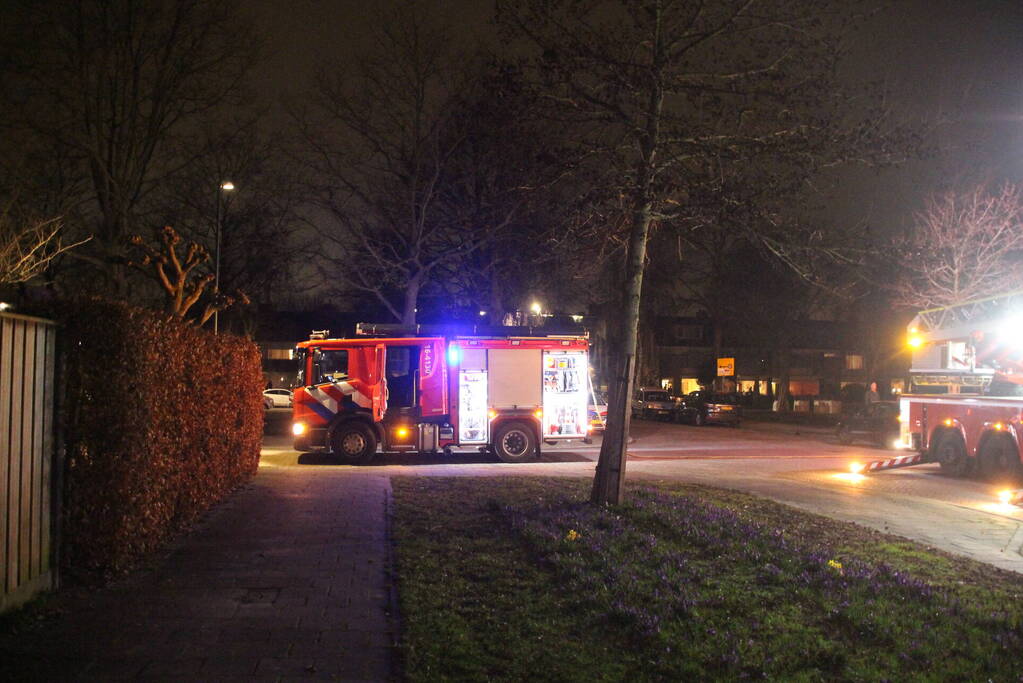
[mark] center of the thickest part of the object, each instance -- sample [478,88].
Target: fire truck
[383,390]
[965,410]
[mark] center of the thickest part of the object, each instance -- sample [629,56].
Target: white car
[277,398]
[653,402]
[598,413]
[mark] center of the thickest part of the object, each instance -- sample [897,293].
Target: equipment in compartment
[564,393]
[473,422]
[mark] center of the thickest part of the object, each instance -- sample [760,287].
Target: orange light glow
[538,414]
[298,429]
[915,342]
[948,422]
[491,414]
[856,467]
[998,426]
[1004,497]
[401,432]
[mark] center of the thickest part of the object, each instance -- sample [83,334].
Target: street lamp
[225,186]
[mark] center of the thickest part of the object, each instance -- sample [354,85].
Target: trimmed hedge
[162,420]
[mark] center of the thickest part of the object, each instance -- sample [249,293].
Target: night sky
[955,65]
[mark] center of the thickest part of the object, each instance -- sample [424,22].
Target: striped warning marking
[892,463]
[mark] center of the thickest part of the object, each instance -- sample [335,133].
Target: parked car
[706,407]
[280,398]
[597,412]
[651,402]
[876,423]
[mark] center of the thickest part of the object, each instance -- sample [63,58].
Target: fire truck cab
[501,394]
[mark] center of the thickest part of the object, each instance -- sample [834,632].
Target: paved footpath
[288,579]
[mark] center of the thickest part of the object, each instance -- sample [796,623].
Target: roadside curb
[787,428]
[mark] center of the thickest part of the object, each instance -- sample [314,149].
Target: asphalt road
[806,470]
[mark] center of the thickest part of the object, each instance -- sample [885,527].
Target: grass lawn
[519,578]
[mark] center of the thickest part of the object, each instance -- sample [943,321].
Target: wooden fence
[27,458]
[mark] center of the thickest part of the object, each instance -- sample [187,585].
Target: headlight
[298,428]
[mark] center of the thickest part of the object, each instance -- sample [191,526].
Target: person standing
[871,395]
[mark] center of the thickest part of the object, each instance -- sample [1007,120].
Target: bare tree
[963,246]
[666,88]
[507,179]
[382,137]
[27,250]
[181,278]
[116,86]
[264,242]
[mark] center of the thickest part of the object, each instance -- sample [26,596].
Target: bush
[162,420]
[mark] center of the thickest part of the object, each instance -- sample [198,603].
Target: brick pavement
[288,579]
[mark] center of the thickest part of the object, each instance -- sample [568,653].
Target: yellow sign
[726,367]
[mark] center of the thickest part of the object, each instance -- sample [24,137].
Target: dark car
[705,407]
[877,423]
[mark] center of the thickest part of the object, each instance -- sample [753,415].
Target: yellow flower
[837,566]
[571,535]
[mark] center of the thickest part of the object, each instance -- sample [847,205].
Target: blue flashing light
[454,354]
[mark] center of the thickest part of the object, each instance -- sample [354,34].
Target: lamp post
[225,186]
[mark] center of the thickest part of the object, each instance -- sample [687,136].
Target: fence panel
[27,401]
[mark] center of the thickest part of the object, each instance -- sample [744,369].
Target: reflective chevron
[893,463]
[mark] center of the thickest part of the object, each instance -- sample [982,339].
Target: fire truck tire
[951,455]
[515,442]
[354,443]
[998,457]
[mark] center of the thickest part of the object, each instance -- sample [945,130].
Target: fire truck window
[401,361]
[300,372]
[330,365]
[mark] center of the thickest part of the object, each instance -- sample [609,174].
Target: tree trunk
[609,481]
[408,314]
[718,381]
[648,366]
[783,367]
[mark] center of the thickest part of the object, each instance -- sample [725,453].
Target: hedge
[162,420]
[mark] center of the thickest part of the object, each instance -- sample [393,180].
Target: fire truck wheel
[354,443]
[951,455]
[515,442]
[998,457]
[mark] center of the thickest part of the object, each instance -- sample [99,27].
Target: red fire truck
[966,408]
[505,394]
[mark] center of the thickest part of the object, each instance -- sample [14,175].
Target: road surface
[806,470]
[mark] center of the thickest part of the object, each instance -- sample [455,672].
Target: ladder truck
[965,407]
